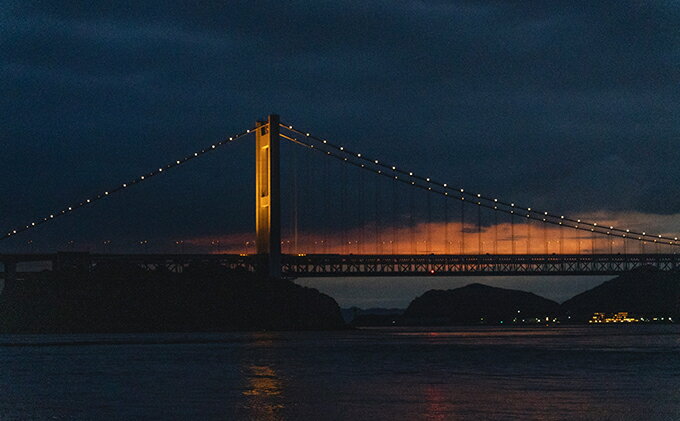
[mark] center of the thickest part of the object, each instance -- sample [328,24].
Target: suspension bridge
[402,235]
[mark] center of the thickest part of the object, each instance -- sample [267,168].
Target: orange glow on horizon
[442,238]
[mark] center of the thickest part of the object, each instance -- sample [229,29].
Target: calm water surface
[617,373]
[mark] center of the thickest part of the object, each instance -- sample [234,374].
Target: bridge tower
[268,198]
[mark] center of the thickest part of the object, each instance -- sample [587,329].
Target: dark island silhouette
[126,298]
[210,298]
[477,303]
[645,292]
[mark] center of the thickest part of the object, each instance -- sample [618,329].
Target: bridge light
[341,148]
[106,193]
[578,220]
[659,235]
[376,161]
[231,138]
[545,213]
[410,173]
[529,209]
[462,190]
[14,232]
[445,185]
[160,170]
[427,179]
[394,168]
[479,195]
[141,178]
[195,153]
[70,208]
[178,162]
[51,216]
[290,127]
[594,224]
[358,155]
[627,230]
[562,217]
[512,204]
[644,233]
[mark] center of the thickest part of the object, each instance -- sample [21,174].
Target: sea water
[627,372]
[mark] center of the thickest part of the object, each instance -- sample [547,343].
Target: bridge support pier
[268,199]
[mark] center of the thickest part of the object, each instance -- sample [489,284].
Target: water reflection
[264,388]
[436,404]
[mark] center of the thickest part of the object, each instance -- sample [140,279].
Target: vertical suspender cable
[528,235]
[462,226]
[326,206]
[395,204]
[495,237]
[362,219]
[479,230]
[412,222]
[343,209]
[447,249]
[512,231]
[376,215]
[428,238]
[295,203]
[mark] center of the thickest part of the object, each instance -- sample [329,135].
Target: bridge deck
[333,265]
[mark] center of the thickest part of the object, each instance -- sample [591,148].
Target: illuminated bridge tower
[268,198]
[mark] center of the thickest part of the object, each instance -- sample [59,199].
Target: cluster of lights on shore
[408,177]
[124,186]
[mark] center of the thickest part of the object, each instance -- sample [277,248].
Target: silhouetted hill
[477,303]
[645,292]
[128,299]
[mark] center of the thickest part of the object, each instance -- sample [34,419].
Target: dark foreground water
[618,373]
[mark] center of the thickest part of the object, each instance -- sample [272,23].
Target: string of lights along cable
[306,139]
[138,180]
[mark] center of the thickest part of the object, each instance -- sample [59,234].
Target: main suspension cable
[378,167]
[124,186]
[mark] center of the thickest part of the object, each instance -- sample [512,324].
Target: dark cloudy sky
[572,106]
